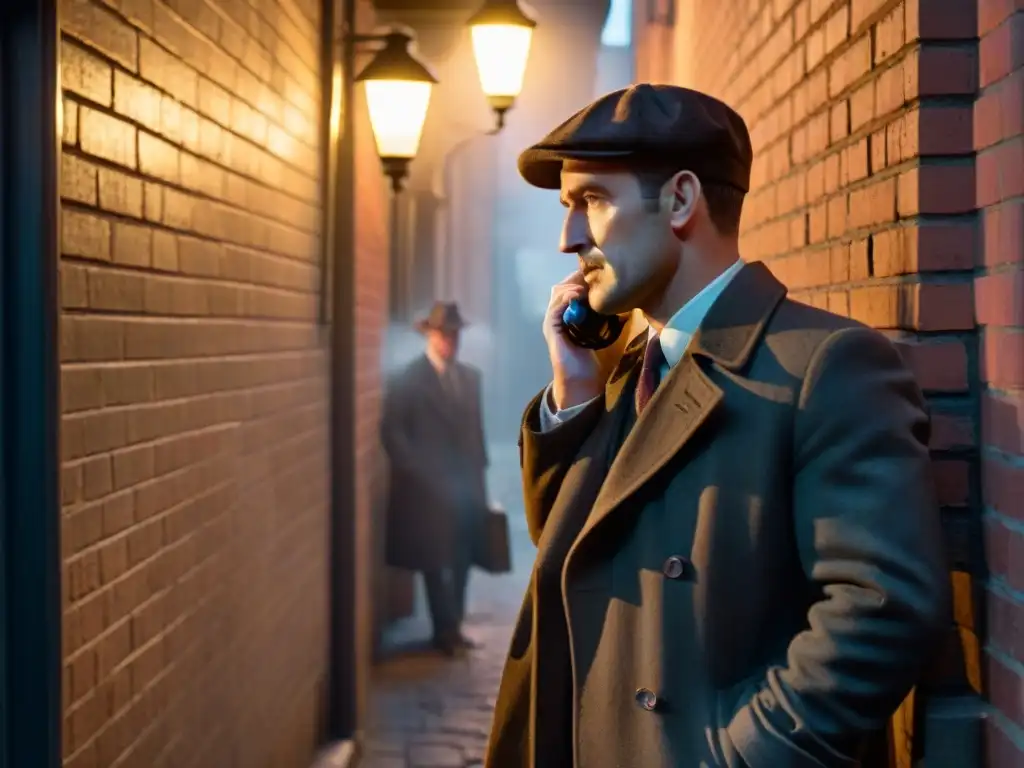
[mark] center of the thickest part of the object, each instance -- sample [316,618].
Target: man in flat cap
[432,430]
[739,549]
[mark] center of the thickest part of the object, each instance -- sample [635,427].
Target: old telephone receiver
[589,329]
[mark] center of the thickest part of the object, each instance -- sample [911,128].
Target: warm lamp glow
[501,52]
[335,116]
[398,109]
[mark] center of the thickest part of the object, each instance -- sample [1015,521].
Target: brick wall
[370,315]
[869,198]
[195,382]
[999,294]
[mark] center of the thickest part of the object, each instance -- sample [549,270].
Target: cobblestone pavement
[431,712]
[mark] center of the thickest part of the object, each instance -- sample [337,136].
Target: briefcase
[493,553]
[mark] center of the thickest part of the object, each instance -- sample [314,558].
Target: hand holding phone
[576,369]
[589,329]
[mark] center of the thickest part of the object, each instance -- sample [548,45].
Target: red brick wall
[194,375]
[868,199]
[370,315]
[999,291]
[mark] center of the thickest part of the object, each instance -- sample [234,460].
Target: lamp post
[502,32]
[398,87]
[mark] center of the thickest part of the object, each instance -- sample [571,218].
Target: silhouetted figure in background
[433,433]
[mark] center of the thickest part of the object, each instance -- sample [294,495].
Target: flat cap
[643,124]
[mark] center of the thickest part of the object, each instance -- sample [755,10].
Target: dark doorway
[30,593]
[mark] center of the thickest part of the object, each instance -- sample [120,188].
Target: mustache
[590,261]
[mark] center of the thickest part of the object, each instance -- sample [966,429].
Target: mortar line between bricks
[999,587]
[872,73]
[908,280]
[166,546]
[72,416]
[1013,77]
[140,315]
[142,32]
[111,721]
[134,172]
[115,267]
[818,24]
[311,32]
[937,336]
[1010,729]
[890,171]
[135,312]
[130,359]
[1000,269]
[1005,658]
[117,66]
[909,105]
[1015,460]
[1009,392]
[313,23]
[186,360]
[1011,523]
[847,238]
[920,219]
[116,218]
[1016,138]
[155,442]
[155,405]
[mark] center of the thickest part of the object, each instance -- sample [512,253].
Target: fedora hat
[443,316]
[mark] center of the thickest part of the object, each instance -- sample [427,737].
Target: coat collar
[736,321]
[727,335]
[686,398]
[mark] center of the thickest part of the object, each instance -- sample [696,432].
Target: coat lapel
[681,404]
[687,396]
[434,392]
[585,478]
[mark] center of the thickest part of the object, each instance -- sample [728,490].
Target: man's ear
[685,188]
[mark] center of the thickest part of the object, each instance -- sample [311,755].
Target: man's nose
[575,233]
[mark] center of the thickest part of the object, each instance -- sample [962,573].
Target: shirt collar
[679,330]
[440,365]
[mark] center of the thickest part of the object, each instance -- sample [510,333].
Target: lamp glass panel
[398,109]
[501,52]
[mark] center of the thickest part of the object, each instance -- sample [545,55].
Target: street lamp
[502,32]
[398,87]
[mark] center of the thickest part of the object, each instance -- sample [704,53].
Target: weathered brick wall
[370,315]
[999,292]
[864,124]
[194,371]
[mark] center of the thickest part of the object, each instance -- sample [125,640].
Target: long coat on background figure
[438,460]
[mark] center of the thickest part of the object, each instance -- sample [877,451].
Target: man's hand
[576,372]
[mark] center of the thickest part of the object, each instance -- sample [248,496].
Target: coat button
[675,567]
[646,699]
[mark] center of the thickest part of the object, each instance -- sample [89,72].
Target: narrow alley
[431,712]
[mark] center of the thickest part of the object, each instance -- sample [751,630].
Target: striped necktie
[650,372]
